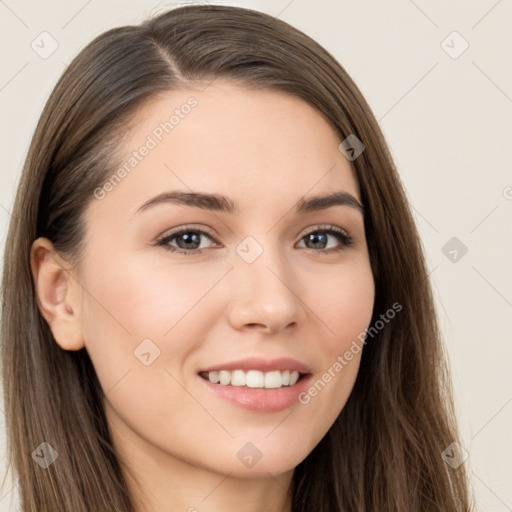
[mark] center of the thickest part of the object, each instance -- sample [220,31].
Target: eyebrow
[221,203]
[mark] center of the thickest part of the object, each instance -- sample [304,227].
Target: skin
[265,150]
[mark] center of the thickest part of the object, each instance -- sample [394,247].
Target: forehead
[241,142]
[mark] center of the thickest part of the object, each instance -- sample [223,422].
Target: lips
[262,400]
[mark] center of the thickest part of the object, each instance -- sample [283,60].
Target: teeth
[253,378]
[225,377]
[214,377]
[238,378]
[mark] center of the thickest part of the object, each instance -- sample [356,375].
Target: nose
[266,295]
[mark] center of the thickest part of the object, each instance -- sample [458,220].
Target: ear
[58,294]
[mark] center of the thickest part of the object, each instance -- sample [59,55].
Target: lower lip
[260,399]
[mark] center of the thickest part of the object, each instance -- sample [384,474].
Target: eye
[319,239]
[188,240]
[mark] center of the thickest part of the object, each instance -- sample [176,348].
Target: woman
[214,292]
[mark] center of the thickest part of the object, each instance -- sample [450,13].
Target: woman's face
[267,281]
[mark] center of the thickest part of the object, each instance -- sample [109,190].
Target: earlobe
[57,296]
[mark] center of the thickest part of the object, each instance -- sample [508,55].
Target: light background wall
[448,122]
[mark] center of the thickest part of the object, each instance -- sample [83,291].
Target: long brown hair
[384,451]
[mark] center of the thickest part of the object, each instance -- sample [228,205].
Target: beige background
[448,122]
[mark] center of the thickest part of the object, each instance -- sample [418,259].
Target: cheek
[138,337]
[145,297]
[135,307]
[343,301]
[344,305]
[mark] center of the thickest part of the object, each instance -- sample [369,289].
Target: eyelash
[345,239]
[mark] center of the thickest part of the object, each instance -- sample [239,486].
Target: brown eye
[188,241]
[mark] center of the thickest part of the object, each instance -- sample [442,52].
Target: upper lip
[263,365]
